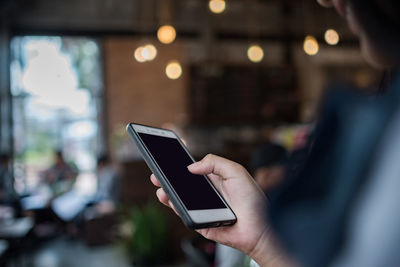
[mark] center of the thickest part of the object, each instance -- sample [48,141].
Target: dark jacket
[311,209]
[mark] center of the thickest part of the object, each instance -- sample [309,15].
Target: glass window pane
[57,90]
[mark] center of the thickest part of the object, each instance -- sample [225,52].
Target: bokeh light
[166,34]
[173,70]
[149,52]
[310,45]
[145,53]
[217,6]
[331,37]
[138,54]
[255,53]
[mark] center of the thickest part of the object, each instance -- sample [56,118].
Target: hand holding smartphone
[195,198]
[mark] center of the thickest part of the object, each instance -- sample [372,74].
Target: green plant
[147,240]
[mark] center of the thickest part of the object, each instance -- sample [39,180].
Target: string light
[217,6]
[255,53]
[310,45]
[166,34]
[173,70]
[331,37]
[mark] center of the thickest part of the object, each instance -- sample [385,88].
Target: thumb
[212,164]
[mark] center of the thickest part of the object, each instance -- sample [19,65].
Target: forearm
[269,252]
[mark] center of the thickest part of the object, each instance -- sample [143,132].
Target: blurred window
[57,96]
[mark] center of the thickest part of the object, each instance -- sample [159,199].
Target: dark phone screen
[194,190]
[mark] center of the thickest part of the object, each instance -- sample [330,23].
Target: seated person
[108,187]
[61,176]
[8,196]
[76,209]
[6,186]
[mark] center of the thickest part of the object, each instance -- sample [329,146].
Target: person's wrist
[269,252]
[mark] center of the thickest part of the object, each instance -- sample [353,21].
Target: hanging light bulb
[173,70]
[310,45]
[255,53]
[217,6]
[149,52]
[138,54]
[145,53]
[166,34]
[331,37]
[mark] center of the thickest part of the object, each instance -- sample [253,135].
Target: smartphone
[195,198]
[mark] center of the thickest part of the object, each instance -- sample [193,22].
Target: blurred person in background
[108,186]
[341,209]
[6,180]
[61,176]
[75,209]
[8,196]
[100,212]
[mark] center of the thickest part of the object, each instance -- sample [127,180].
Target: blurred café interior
[227,75]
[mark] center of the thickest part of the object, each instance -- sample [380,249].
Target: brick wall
[141,92]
